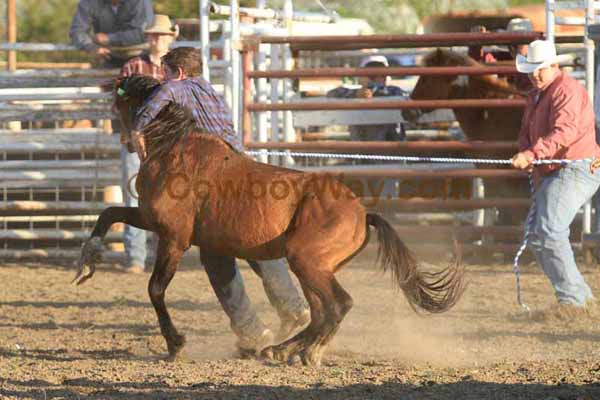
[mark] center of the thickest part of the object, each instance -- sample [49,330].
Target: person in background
[520,81]
[376,85]
[99,27]
[373,86]
[558,123]
[476,52]
[160,35]
[185,86]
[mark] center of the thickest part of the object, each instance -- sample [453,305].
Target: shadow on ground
[468,389]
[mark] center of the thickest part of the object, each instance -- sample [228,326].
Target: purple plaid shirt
[198,96]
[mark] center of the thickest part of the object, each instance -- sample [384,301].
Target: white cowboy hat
[162,25]
[541,54]
[374,59]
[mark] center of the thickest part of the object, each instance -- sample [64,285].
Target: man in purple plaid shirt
[185,87]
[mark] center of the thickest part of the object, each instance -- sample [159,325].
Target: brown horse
[487,124]
[477,123]
[195,189]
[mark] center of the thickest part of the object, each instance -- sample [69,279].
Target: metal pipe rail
[397,41]
[376,104]
[107,144]
[443,205]
[39,165]
[329,43]
[54,234]
[427,173]
[385,147]
[395,71]
[55,254]
[266,13]
[12,208]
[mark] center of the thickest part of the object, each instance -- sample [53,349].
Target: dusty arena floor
[101,341]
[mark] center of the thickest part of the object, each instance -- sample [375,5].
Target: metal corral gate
[478,237]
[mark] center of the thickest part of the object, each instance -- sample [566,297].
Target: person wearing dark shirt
[373,86]
[100,27]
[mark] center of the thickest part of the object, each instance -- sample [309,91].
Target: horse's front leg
[167,259]
[91,253]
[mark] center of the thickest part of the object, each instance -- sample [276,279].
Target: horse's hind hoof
[294,360]
[311,358]
[268,353]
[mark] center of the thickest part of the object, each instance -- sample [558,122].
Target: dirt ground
[101,341]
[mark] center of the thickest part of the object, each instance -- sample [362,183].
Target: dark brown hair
[187,58]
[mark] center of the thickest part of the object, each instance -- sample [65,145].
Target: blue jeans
[133,238]
[557,199]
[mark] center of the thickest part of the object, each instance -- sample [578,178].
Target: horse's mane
[173,124]
[138,87]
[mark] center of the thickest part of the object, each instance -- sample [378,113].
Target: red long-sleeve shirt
[558,123]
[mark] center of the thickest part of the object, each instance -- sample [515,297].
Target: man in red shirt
[558,123]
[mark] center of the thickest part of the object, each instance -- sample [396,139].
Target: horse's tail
[434,292]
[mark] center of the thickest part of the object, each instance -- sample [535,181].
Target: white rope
[530,216]
[379,157]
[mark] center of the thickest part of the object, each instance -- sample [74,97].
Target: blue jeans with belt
[134,239]
[557,199]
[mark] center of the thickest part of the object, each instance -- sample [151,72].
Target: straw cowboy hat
[541,54]
[162,25]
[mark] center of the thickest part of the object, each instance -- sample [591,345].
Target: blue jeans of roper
[557,199]
[134,239]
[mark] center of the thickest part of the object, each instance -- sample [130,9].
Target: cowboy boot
[253,335]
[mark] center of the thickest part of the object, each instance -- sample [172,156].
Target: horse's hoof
[311,358]
[268,353]
[171,358]
[294,360]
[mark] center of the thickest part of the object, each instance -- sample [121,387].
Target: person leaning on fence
[558,123]
[373,86]
[160,35]
[112,30]
[520,81]
[477,52]
[186,87]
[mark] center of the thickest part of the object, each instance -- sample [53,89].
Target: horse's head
[129,94]
[437,87]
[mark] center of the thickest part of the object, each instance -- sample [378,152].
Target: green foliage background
[48,21]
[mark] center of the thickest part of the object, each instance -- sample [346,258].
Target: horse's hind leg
[322,238]
[167,259]
[329,303]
